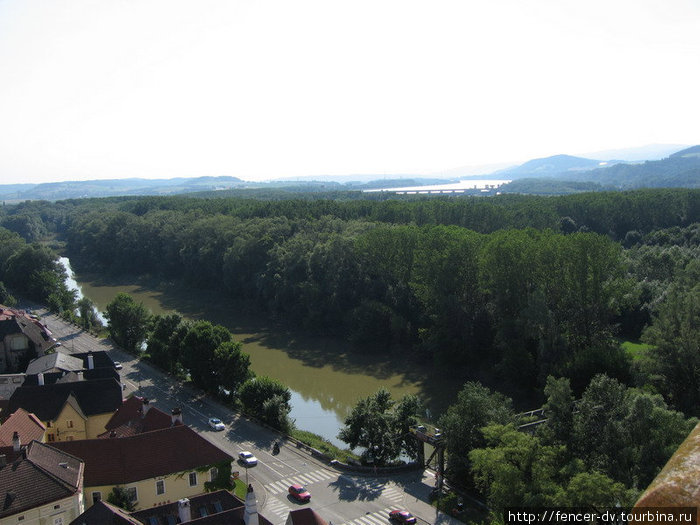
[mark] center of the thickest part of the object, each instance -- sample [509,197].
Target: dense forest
[514,291]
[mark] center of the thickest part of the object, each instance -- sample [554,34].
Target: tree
[198,348]
[476,407]
[127,322]
[88,314]
[256,392]
[121,498]
[370,426]
[232,366]
[381,426]
[164,341]
[6,297]
[559,409]
[515,468]
[675,358]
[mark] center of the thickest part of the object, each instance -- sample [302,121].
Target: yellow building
[155,467]
[71,410]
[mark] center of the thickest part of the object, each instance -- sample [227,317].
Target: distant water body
[452,187]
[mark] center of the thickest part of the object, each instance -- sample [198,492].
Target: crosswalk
[376,518]
[277,507]
[307,478]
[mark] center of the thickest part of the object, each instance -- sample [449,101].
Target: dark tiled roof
[103,513]
[100,359]
[306,516]
[55,377]
[56,362]
[143,456]
[27,425]
[37,476]
[94,397]
[213,502]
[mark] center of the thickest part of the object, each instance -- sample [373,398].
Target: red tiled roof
[306,516]
[26,424]
[143,456]
[128,420]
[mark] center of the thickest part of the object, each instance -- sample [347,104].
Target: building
[26,425]
[22,338]
[137,415]
[305,516]
[155,467]
[211,508]
[70,410]
[39,485]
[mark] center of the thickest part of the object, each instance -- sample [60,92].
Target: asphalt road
[340,498]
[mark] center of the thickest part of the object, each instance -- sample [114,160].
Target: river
[325,375]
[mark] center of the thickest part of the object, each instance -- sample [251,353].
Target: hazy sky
[270,88]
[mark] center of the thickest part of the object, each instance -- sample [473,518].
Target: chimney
[91,362]
[145,407]
[251,508]
[40,378]
[176,416]
[80,375]
[3,460]
[184,511]
[16,445]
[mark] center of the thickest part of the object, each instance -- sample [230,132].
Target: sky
[99,89]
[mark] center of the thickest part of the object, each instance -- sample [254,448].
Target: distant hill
[114,187]
[549,167]
[682,169]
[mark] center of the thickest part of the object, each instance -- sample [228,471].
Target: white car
[118,365]
[216,423]
[248,459]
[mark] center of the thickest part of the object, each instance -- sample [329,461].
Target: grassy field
[317,442]
[634,350]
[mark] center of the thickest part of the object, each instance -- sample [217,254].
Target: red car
[402,516]
[299,493]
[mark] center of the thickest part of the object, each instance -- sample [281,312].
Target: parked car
[402,516]
[216,423]
[247,458]
[299,493]
[118,365]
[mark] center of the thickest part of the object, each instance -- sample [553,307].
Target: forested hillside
[542,298]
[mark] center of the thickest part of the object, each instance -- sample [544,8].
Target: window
[56,507]
[69,438]
[218,507]
[69,423]
[51,437]
[160,486]
[16,379]
[133,495]
[96,496]
[203,512]
[193,479]
[58,520]
[152,520]
[3,380]
[48,424]
[213,474]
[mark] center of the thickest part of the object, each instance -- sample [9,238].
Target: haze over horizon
[156,89]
